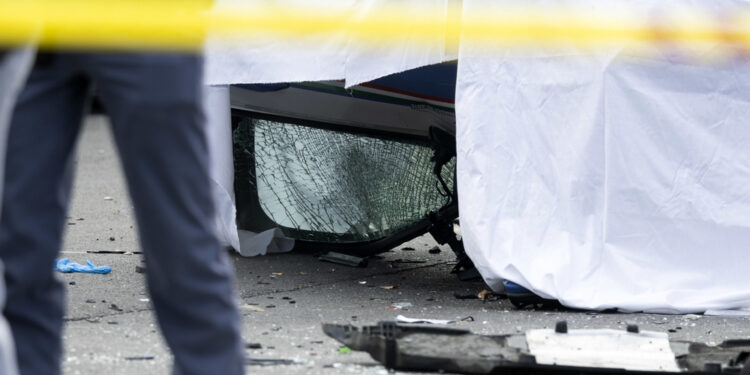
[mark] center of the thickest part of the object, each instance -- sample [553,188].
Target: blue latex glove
[64,265]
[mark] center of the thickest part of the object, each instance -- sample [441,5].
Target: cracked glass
[326,185]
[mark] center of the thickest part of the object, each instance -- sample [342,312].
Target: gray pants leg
[37,187]
[14,65]
[162,142]
[154,103]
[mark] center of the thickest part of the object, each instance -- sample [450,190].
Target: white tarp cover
[608,179]
[321,57]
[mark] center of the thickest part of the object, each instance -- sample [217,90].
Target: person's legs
[155,105]
[38,173]
[14,66]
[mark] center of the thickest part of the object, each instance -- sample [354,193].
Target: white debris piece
[607,348]
[403,319]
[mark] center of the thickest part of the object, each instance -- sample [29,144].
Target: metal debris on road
[140,358]
[347,260]
[399,306]
[690,317]
[271,362]
[403,319]
[252,308]
[119,252]
[437,349]
[105,252]
[485,294]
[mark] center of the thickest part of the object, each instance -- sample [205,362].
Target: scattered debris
[64,265]
[434,250]
[399,306]
[437,349]
[140,358]
[388,287]
[111,238]
[485,294]
[362,282]
[107,198]
[144,300]
[687,317]
[252,308]
[277,273]
[140,269]
[465,296]
[72,283]
[253,345]
[271,362]
[403,319]
[344,350]
[347,260]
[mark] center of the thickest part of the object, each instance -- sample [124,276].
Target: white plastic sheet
[607,179]
[325,56]
[216,103]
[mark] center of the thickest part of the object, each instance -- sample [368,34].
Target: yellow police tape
[184,25]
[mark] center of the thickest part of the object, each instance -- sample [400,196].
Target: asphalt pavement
[110,326]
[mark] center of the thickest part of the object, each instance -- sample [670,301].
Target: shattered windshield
[333,186]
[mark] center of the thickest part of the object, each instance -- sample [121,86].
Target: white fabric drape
[608,179]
